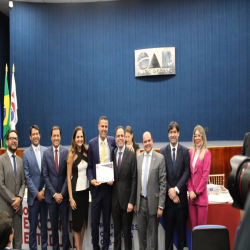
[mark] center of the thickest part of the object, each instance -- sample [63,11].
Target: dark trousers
[42,209]
[101,203]
[54,211]
[175,216]
[122,220]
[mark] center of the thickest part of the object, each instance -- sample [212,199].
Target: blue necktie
[174,158]
[145,179]
[38,159]
[14,163]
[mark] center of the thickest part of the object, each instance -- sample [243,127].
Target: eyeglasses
[197,136]
[13,138]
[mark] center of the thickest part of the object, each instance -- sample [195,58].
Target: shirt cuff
[54,195]
[177,190]
[160,207]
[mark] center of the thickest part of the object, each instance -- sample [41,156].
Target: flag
[6,109]
[13,108]
[1,123]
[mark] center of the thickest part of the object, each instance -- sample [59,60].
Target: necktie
[56,160]
[103,153]
[119,160]
[145,179]
[174,158]
[14,163]
[38,159]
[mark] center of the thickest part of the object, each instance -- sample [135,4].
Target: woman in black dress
[78,185]
[130,141]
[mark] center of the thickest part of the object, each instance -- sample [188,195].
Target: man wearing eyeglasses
[12,185]
[177,162]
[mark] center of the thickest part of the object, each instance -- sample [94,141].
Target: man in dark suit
[246,145]
[6,230]
[177,163]
[12,185]
[54,167]
[151,193]
[32,164]
[100,150]
[124,190]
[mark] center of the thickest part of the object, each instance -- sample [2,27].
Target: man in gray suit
[246,145]
[12,185]
[151,193]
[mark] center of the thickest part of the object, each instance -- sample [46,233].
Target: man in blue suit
[32,164]
[177,163]
[100,150]
[55,175]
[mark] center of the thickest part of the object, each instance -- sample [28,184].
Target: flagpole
[6,71]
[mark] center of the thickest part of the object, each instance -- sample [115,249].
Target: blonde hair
[204,140]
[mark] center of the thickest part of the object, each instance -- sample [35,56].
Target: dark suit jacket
[55,182]
[178,177]
[246,145]
[94,158]
[33,175]
[124,187]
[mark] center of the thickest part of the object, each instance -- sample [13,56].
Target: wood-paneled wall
[220,159]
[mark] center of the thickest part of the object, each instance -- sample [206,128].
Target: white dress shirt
[143,166]
[38,155]
[117,154]
[11,159]
[176,147]
[58,153]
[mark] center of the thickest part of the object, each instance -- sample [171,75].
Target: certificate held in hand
[105,172]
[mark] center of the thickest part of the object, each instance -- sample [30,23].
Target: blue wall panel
[4,58]
[75,62]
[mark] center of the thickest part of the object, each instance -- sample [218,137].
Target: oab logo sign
[155,61]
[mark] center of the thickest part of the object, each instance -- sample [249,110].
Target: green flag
[6,110]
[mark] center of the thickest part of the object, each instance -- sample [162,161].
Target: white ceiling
[4,4]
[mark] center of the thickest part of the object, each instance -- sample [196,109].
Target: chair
[210,237]
[217,179]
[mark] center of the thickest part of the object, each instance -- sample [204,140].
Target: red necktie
[56,160]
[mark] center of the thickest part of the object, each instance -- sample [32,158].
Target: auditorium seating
[210,237]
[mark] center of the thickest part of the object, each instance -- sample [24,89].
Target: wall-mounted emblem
[155,61]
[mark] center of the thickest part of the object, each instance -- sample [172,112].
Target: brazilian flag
[6,110]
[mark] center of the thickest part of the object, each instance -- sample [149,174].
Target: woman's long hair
[204,141]
[73,148]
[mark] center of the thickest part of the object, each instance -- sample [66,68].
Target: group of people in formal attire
[148,184]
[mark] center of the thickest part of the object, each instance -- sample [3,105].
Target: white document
[104,172]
